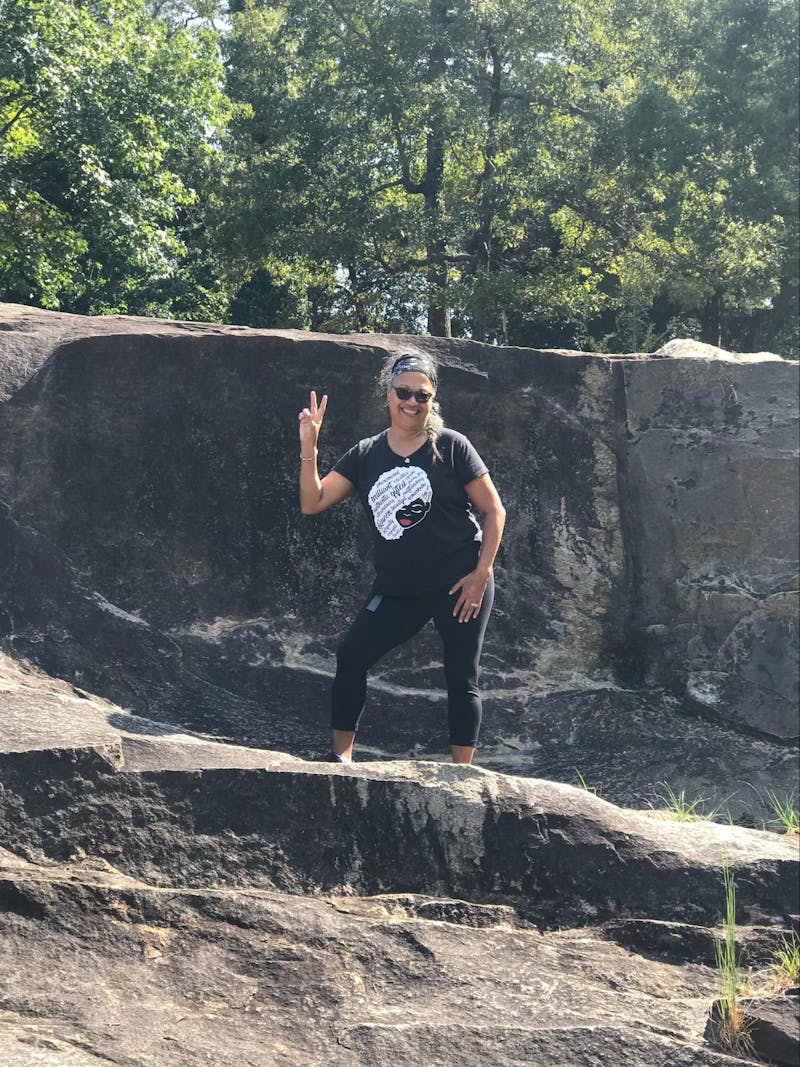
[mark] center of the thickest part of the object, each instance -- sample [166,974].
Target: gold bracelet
[307,459]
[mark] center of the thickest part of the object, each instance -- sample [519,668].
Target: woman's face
[410,414]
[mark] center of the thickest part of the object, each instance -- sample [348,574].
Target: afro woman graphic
[400,499]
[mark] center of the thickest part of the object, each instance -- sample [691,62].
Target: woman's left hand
[472,587]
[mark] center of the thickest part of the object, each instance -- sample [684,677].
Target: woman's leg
[376,630]
[342,742]
[463,642]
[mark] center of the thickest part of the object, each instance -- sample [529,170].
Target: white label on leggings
[400,499]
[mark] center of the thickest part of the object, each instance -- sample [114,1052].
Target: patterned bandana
[420,364]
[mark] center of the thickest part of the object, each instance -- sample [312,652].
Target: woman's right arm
[316,495]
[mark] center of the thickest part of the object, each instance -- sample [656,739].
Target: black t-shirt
[425,534]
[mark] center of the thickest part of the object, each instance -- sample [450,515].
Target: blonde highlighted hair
[434,424]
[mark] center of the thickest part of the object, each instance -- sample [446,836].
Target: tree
[601,174]
[594,175]
[681,210]
[375,141]
[107,140]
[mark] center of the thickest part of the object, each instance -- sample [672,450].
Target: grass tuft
[786,811]
[674,805]
[787,964]
[586,788]
[732,1032]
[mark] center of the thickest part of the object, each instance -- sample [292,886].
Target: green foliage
[601,175]
[613,173]
[732,1031]
[584,786]
[678,806]
[785,808]
[106,123]
[725,949]
[731,1022]
[787,963]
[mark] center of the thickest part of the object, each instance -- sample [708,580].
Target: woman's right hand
[311,422]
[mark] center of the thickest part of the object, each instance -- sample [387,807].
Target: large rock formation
[152,550]
[165,899]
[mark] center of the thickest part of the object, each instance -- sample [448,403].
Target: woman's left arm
[486,501]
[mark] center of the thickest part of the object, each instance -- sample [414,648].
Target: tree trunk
[437,275]
[485,236]
[711,320]
[436,246]
[362,318]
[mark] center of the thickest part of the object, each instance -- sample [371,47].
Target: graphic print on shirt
[400,499]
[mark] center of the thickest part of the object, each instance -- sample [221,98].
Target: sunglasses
[420,395]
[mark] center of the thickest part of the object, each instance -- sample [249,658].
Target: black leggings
[380,627]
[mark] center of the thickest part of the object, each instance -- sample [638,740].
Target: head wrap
[418,363]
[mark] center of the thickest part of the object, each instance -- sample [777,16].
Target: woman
[418,483]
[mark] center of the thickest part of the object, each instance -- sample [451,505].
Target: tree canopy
[602,175]
[110,122]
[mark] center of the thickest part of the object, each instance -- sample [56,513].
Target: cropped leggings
[380,627]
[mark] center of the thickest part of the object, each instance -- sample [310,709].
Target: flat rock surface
[41,714]
[245,907]
[255,977]
[232,816]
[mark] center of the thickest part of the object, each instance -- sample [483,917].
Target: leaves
[562,173]
[107,155]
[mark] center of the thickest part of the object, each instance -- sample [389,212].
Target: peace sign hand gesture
[311,422]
